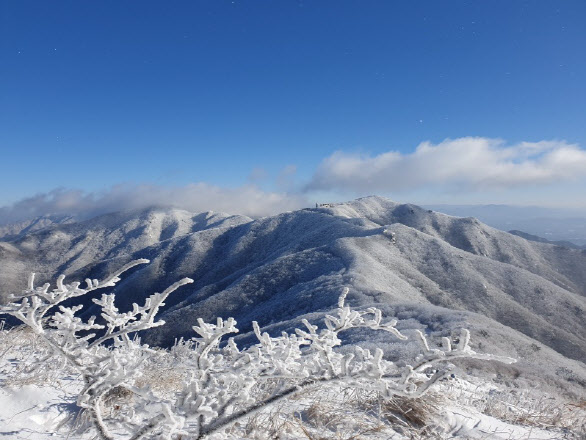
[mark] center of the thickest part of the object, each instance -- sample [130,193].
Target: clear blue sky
[103,92]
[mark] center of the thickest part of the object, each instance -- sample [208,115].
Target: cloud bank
[470,167]
[469,163]
[246,200]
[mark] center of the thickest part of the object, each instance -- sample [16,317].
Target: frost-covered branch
[222,383]
[304,359]
[84,343]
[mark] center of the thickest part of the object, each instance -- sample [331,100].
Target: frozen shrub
[223,383]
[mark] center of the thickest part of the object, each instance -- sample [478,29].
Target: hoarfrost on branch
[224,382]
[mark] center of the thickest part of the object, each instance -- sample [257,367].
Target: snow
[436,273]
[41,413]
[33,412]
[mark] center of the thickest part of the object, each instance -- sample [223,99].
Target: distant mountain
[553,224]
[14,230]
[438,272]
[99,244]
[531,237]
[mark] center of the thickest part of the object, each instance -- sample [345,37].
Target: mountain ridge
[539,239]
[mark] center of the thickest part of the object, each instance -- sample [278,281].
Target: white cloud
[452,171]
[247,200]
[257,175]
[286,178]
[470,163]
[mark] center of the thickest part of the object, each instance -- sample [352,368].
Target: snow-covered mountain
[14,230]
[428,268]
[555,224]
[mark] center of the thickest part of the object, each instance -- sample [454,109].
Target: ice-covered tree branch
[222,383]
[307,358]
[102,367]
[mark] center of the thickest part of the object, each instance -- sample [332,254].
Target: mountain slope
[105,241]
[296,263]
[15,230]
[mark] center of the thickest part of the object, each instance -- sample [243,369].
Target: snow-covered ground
[47,412]
[41,405]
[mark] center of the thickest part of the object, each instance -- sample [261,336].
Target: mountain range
[431,270]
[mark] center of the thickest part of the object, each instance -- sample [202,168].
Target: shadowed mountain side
[417,268]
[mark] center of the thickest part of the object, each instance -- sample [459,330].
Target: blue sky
[240,94]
